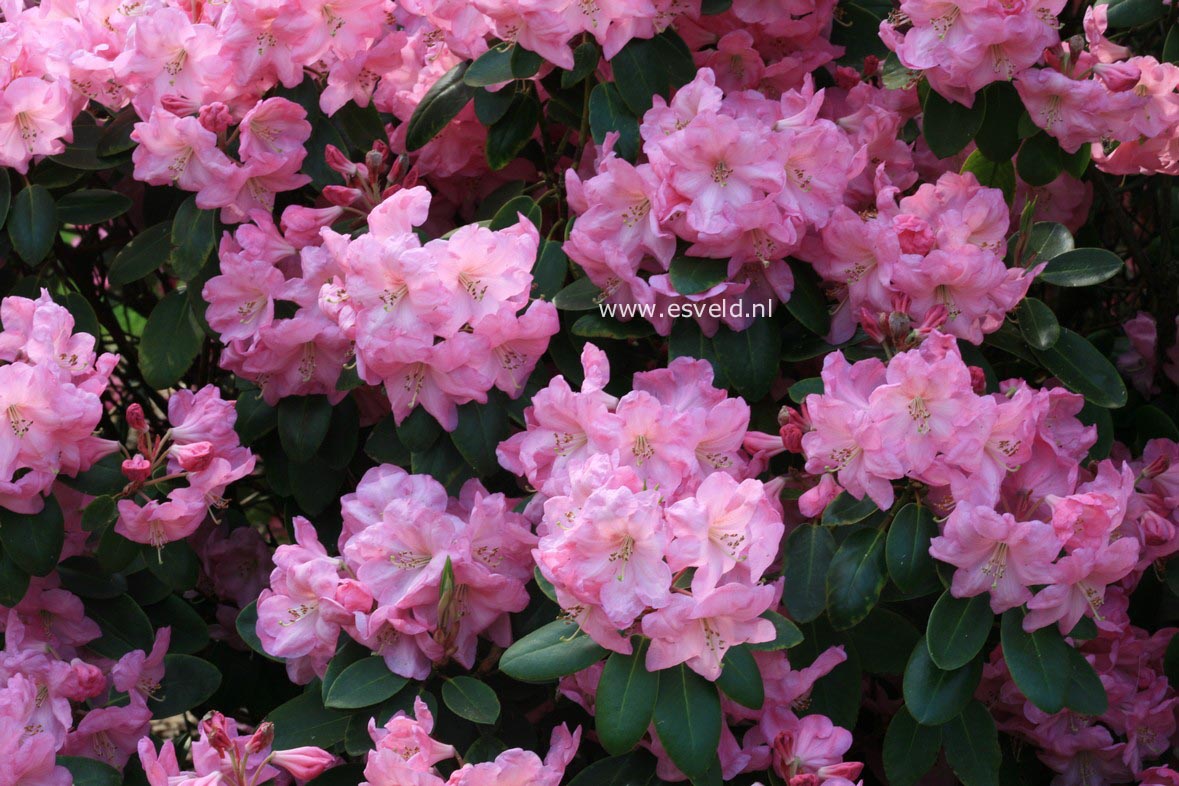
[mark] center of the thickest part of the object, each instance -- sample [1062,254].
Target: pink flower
[179,151]
[35,120]
[1077,582]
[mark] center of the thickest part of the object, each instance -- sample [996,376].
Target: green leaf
[1040,160]
[895,76]
[190,633]
[884,640]
[1038,661]
[688,719]
[114,551]
[247,627]
[949,126]
[348,652]
[958,629]
[1100,417]
[1038,324]
[383,445]
[625,700]
[419,431]
[845,510]
[493,67]
[993,174]
[555,650]
[998,137]
[972,746]
[85,577]
[441,104]
[255,418]
[809,550]
[548,274]
[633,769]
[480,429]
[5,195]
[906,549]
[171,340]
[90,772]
[1171,46]
[91,206]
[366,682]
[303,423]
[491,107]
[935,696]
[1083,369]
[693,275]
[740,678]
[1133,13]
[1086,693]
[807,302]
[586,57]
[1046,240]
[608,112]
[14,582]
[115,135]
[194,234]
[787,634]
[304,720]
[1082,267]
[805,387]
[509,214]
[596,325]
[32,223]
[146,252]
[124,626]
[469,698]
[750,357]
[640,73]
[508,136]
[34,540]
[856,578]
[188,683]
[1150,422]
[581,295]
[910,749]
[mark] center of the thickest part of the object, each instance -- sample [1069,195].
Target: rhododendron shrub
[521,392]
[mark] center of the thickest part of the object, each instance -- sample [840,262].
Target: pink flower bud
[846,77]
[216,117]
[871,66]
[342,195]
[978,380]
[180,105]
[216,731]
[339,162]
[304,763]
[354,596]
[135,418]
[193,457]
[137,468]
[261,739]
[1118,77]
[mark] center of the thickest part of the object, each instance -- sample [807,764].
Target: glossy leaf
[34,540]
[145,253]
[907,548]
[171,340]
[625,700]
[741,679]
[972,746]
[188,683]
[32,223]
[1039,661]
[845,510]
[303,423]
[366,682]
[609,112]
[1038,324]
[441,104]
[553,651]
[688,719]
[958,629]
[691,275]
[469,698]
[1082,267]
[92,206]
[935,696]
[910,749]
[1083,369]
[856,578]
[948,126]
[809,550]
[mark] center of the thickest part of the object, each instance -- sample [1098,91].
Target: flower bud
[193,457]
[261,739]
[354,596]
[342,195]
[137,469]
[339,162]
[303,763]
[135,418]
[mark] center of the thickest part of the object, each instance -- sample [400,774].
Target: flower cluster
[420,577]
[1103,93]
[934,255]
[223,755]
[737,176]
[961,47]
[1118,745]
[51,382]
[201,448]
[406,753]
[641,494]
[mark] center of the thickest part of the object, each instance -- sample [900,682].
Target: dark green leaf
[1100,417]
[585,60]
[509,214]
[910,749]
[5,195]
[949,126]
[363,684]
[992,174]
[115,135]
[958,629]
[581,295]
[525,64]
[1152,423]
[303,423]
[884,640]
[845,510]
[1171,660]
[1047,240]
[85,577]
[441,104]
[608,112]
[688,719]
[314,484]
[383,445]
[124,626]
[1040,160]
[1038,324]
[894,75]
[1133,13]
[194,234]
[175,564]
[480,429]
[90,772]
[171,340]
[493,67]
[114,551]
[91,206]
[1082,267]
[469,698]
[1086,693]
[998,137]
[419,431]
[805,387]
[749,358]
[855,578]
[14,582]
[255,418]
[1083,369]
[740,678]
[548,274]
[247,628]
[32,223]
[972,746]
[190,633]
[907,549]
[640,73]
[34,540]
[491,107]
[305,721]
[1039,661]
[809,550]
[1171,46]
[625,700]
[807,302]
[188,683]
[555,650]
[935,695]
[507,137]
[595,325]
[787,634]
[634,769]
[348,652]
[693,275]
[146,252]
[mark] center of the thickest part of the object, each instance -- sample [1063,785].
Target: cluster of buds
[894,329]
[371,182]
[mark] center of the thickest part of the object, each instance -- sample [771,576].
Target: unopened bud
[137,468]
[193,457]
[135,418]
[261,739]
